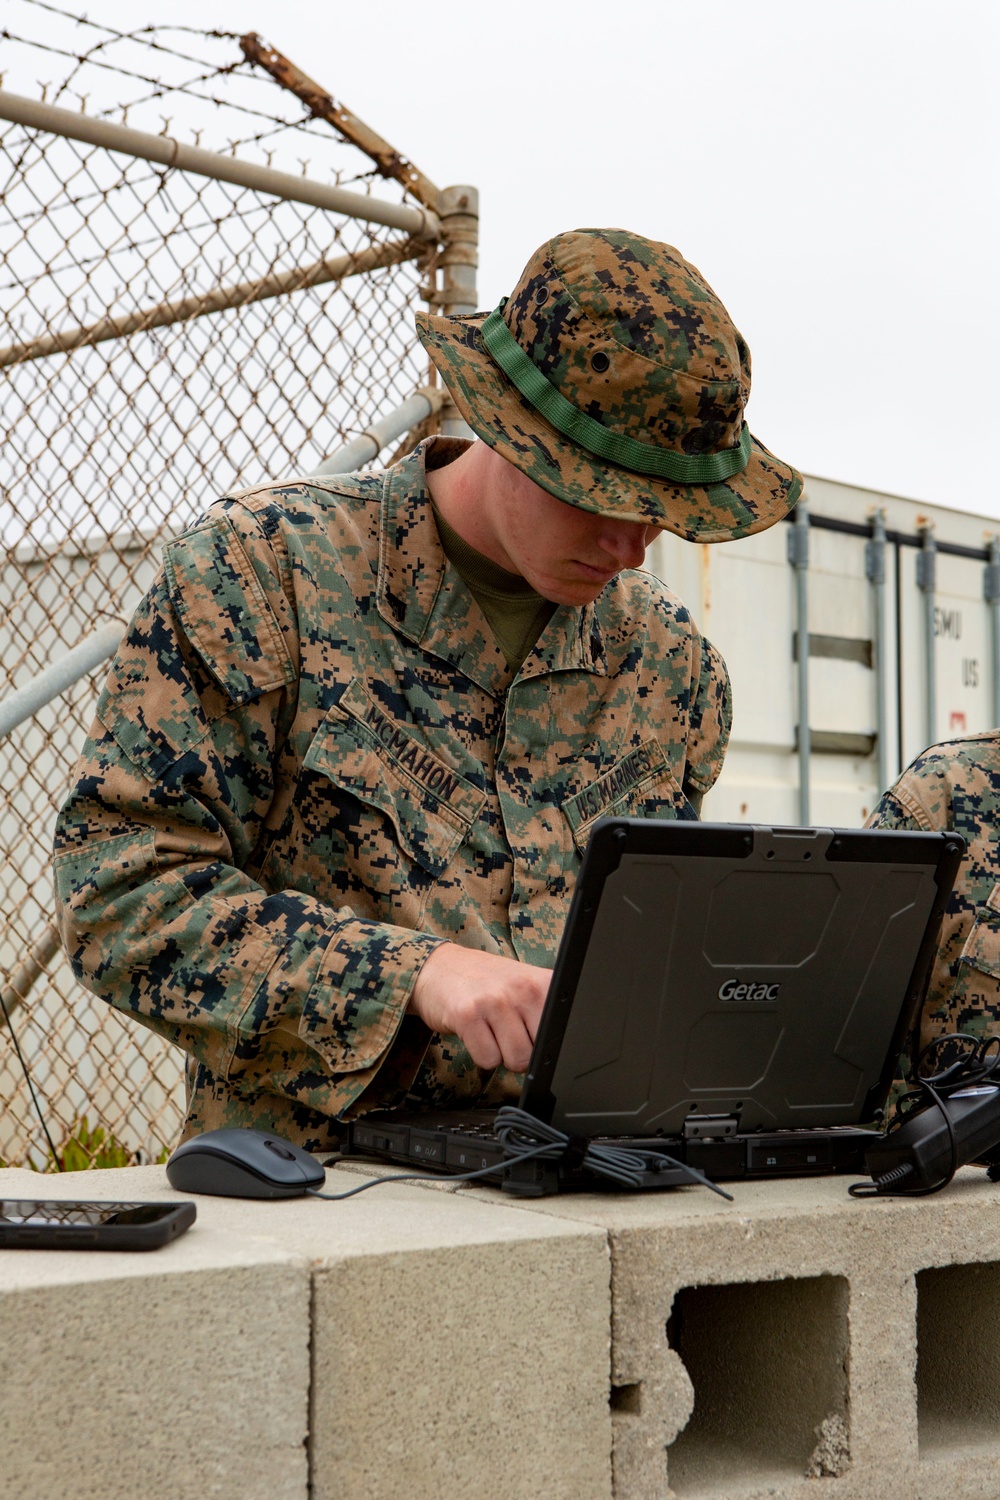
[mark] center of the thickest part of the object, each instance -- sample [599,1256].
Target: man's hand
[492,1004]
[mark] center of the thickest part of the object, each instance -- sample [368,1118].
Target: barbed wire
[238,70]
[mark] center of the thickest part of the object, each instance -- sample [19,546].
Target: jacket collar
[421,594]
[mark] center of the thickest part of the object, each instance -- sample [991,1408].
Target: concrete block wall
[423,1341]
[800,1342]
[405,1343]
[127,1375]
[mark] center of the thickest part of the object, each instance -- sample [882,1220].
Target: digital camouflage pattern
[311,764]
[631,334]
[955,787]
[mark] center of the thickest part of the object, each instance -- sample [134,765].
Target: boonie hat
[614,378]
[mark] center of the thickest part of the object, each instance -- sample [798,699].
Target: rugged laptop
[733,995]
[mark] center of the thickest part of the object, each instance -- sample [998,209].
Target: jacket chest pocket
[405,806]
[640,785]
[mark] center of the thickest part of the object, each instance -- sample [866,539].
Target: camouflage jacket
[956,787]
[311,764]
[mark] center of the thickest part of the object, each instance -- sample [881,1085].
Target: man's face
[566,554]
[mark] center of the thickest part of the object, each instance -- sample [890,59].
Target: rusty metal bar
[277,284]
[361,450]
[421,222]
[31,968]
[322,106]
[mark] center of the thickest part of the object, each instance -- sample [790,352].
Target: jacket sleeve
[906,806]
[938,791]
[710,722]
[159,911]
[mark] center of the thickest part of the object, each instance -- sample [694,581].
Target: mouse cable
[31,1086]
[427,1177]
[525,1138]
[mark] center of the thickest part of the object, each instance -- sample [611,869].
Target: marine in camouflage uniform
[312,764]
[955,787]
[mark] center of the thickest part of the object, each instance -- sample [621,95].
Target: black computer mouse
[243,1164]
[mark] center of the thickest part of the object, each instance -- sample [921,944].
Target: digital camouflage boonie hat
[614,378]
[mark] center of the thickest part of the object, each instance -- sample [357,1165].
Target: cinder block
[456,1340]
[958,1360]
[758,1343]
[181,1372]
[458,1344]
[767,1363]
[450,1372]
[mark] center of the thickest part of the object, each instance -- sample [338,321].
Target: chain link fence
[169,335]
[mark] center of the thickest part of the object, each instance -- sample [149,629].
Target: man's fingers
[531,1004]
[513,1039]
[493,1004]
[482,1045]
[502,1037]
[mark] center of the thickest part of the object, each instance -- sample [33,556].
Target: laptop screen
[767,975]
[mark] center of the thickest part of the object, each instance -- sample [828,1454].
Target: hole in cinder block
[768,1362]
[627,1398]
[958,1357]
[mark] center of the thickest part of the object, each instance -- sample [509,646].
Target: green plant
[89,1147]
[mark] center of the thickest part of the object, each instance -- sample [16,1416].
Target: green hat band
[627,452]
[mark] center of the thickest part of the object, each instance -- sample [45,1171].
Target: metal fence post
[991,593]
[798,556]
[927,582]
[458,210]
[875,573]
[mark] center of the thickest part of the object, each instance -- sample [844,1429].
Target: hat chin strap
[626,452]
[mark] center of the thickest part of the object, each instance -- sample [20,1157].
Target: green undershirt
[515,613]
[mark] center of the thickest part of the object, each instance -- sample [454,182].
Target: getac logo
[733,990]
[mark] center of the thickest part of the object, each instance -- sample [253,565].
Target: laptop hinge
[698,1127]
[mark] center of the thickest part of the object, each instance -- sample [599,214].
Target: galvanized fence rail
[208,268]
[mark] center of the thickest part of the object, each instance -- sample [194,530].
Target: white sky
[830,165]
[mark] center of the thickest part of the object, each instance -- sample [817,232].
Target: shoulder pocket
[640,785]
[382,763]
[224,611]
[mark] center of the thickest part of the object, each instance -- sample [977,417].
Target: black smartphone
[51,1224]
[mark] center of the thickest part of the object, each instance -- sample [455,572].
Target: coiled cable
[525,1138]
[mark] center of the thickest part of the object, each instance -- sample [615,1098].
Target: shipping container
[900,604]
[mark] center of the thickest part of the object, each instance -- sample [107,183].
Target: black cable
[428,1177]
[525,1138]
[968,1070]
[31,1087]
[621,1163]
[880,1186]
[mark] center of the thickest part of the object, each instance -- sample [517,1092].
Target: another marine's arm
[950,787]
[711,722]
